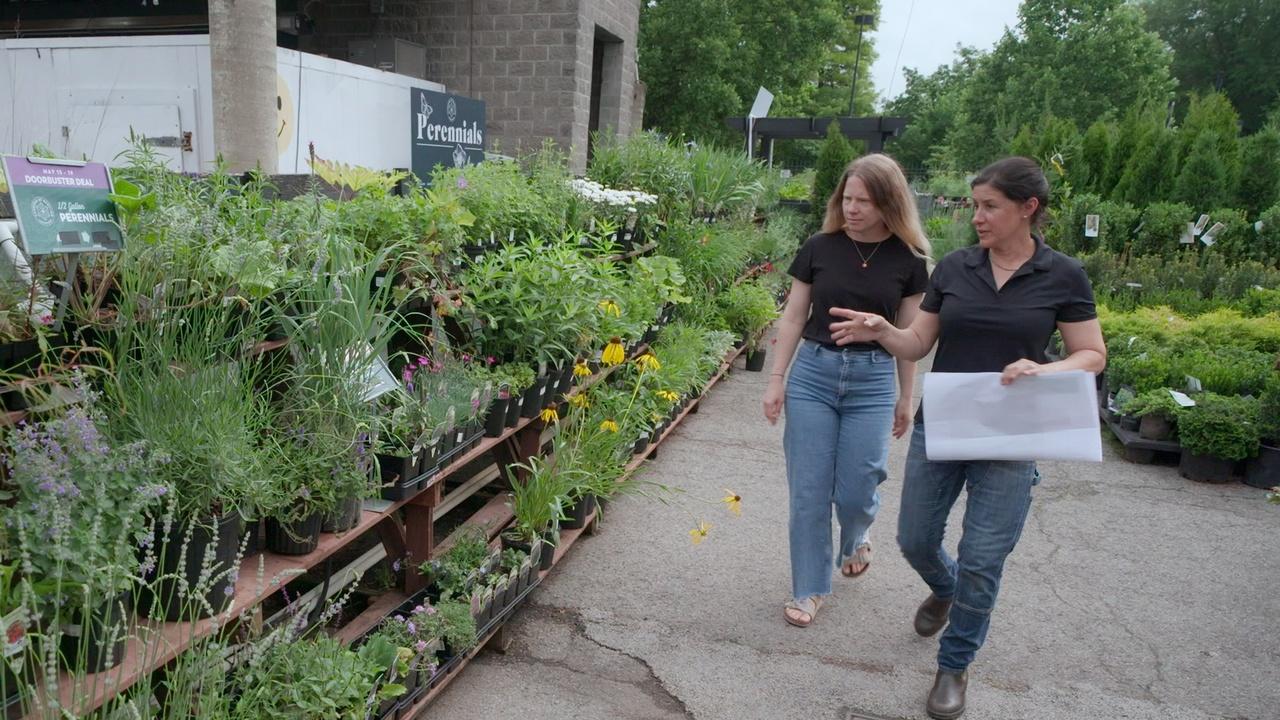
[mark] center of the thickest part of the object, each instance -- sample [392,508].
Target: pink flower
[491,360]
[462,183]
[46,319]
[422,361]
[407,375]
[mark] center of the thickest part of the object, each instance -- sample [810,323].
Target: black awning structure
[873,131]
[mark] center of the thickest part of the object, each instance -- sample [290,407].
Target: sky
[928,31]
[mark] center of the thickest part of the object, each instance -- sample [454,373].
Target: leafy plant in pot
[748,308]
[1217,433]
[1263,471]
[317,678]
[83,507]
[537,502]
[1157,412]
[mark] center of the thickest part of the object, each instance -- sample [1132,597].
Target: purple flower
[413,629]
[421,646]
[423,361]
[395,566]
[304,493]
[229,590]
[462,183]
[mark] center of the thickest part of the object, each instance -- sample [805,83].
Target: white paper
[971,416]
[1182,399]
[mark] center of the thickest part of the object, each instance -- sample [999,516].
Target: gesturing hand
[1019,368]
[857,327]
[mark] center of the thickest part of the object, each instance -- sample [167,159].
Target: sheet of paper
[971,416]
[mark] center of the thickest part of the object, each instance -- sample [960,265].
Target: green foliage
[1219,426]
[1065,231]
[1223,44]
[1074,59]
[538,499]
[1237,241]
[1163,225]
[748,309]
[1150,171]
[1156,401]
[1225,369]
[932,105]
[1269,411]
[318,679]
[1117,223]
[1203,180]
[502,199]
[458,570]
[1269,235]
[1095,158]
[1260,171]
[835,156]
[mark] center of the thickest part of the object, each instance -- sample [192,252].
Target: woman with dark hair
[990,308]
[840,401]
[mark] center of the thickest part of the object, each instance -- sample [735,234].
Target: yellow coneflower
[613,353]
[733,501]
[610,308]
[699,533]
[668,395]
[550,415]
[579,400]
[581,370]
[609,425]
[649,361]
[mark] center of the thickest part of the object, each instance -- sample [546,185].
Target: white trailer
[81,97]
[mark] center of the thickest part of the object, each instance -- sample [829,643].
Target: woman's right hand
[773,399]
[857,327]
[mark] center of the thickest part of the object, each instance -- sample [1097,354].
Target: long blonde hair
[888,188]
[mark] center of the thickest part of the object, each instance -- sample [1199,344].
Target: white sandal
[807,606]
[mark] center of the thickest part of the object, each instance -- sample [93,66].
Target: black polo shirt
[982,329]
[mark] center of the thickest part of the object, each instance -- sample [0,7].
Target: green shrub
[1162,226]
[1116,229]
[1225,369]
[1142,372]
[1203,180]
[1269,235]
[1259,301]
[1065,232]
[1235,242]
[748,308]
[833,158]
[1260,175]
[1269,411]
[1220,426]
[1158,401]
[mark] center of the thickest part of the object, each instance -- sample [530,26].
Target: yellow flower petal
[579,400]
[613,353]
[609,425]
[648,361]
[733,501]
[699,533]
[581,370]
[550,415]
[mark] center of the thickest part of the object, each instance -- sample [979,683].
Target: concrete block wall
[529,60]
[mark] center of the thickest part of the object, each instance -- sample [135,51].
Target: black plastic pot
[344,517]
[1129,422]
[496,420]
[429,460]
[513,410]
[565,383]
[1206,468]
[755,360]
[295,538]
[399,476]
[97,643]
[180,573]
[1155,426]
[579,512]
[548,557]
[531,402]
[1263,471]
[641,445]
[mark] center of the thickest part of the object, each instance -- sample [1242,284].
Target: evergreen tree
[1260,171]
[1212,112]
[835,156]
[1150,172]
[1203,180]
[1095,158]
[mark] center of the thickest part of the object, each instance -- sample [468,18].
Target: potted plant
[537,500]
[317,678]
[83,507]
[1157,412]
[748,308]
[1217,433]
[516,378]
[1263,471]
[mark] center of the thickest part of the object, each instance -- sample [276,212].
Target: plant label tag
[1198,228]
[1257,227]
[1091,225]
[1193,384]
[1188,237]
[1182,399]
[511,236]
[1210,237]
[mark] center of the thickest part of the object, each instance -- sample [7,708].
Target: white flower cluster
[597,193]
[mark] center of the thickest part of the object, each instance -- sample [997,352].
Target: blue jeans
[999,497]
[839,406]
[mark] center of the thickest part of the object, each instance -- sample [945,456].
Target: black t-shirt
[832,265]
[981,329]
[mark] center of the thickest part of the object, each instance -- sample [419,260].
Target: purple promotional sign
[62,206]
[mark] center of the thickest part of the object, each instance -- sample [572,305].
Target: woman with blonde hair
[840,402]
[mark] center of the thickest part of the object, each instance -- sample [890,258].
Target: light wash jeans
[999,497]
[839,406]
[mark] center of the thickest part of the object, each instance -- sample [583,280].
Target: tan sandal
[861,556]
[807,607]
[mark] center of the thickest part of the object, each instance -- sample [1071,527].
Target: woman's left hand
[902,416]
[1020,368]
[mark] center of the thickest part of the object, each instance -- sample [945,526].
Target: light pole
[862,20]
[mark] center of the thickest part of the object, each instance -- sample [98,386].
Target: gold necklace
[867,258]
[1007,269]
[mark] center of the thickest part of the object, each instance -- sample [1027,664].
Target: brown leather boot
[946,699]
[932,615]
